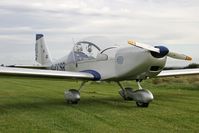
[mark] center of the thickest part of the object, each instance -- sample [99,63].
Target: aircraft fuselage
[122,63]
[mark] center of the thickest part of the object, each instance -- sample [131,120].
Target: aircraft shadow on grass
[60,104]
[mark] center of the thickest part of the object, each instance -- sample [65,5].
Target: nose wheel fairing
[142,97]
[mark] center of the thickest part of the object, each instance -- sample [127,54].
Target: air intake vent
[154,68]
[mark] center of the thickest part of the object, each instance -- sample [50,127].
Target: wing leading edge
[168,73]
[24,72]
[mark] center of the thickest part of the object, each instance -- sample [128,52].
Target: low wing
[168,73]
[24,72]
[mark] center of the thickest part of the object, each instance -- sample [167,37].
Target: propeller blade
[144,46]
[160,51]
[179,56]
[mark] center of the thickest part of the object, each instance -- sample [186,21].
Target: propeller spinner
[160,51]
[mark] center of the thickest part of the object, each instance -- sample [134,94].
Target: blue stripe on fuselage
[96,75]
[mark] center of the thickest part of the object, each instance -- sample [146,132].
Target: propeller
[160,51]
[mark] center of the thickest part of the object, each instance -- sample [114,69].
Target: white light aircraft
[88,62]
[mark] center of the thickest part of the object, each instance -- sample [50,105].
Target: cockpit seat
[79,56]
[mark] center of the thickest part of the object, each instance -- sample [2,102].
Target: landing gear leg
[73,96]
[138,83]
[124,92]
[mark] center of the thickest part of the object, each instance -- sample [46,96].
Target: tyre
[141,104]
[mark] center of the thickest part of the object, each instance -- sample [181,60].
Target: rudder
[42,55]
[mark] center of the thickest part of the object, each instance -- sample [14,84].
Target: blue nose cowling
[163,51]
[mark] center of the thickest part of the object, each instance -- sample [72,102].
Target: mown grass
[37,105]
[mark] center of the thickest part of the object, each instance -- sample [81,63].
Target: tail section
[42,55]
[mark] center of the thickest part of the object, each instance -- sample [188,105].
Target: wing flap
[23,72]
[168,73]
[29,66]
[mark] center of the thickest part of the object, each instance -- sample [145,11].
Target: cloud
[151,21]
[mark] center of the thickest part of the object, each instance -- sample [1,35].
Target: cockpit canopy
[89,50]
[85,50]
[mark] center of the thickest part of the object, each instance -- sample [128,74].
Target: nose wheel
[142,97]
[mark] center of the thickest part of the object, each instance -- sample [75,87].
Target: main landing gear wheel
[125,93]
[141,104]
[72,96]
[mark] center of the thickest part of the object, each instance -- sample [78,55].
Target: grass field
[37,105]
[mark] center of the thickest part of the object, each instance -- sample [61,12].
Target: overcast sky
[174,23]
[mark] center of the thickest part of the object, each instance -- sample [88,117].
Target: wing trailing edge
[24,72]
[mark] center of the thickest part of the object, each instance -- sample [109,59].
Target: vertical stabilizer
[42,55]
